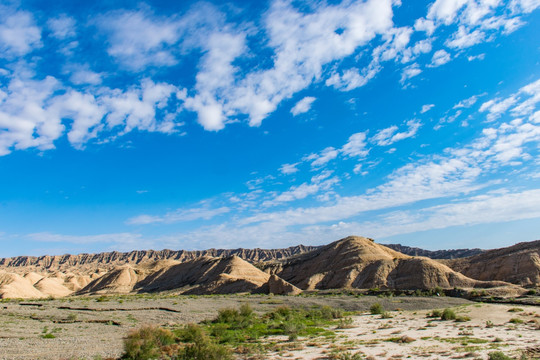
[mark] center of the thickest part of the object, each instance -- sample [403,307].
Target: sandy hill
[357,262]
[204,275]
[518,264]
[16,286]
[353,262]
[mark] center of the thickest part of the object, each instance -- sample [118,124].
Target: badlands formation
[350,263]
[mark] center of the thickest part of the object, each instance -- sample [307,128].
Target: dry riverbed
[94,327]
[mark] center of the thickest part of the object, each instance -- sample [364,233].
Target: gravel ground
[94,327]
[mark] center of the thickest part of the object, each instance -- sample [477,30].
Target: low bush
[376,309]
[147,343]
[435,314]
[448,314]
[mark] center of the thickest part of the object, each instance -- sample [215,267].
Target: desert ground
[94,327]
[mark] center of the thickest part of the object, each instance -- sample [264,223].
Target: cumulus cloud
[138,38]
[303,105]
[19,35]
[29,118]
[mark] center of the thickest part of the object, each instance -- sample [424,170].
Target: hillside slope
[517,264]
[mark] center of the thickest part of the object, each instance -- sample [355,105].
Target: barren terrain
[94,327]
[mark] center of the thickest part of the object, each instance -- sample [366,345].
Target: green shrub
[48,336]
[376,309]
[448,314]
[199,346]
[435,314]
[147,343]
[462,318]
[516,321]
[498,355]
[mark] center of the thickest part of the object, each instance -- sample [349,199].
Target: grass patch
[515,321]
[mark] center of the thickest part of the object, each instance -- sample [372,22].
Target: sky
[189,125]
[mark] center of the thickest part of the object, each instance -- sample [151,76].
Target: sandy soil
[87,328]
[411,334]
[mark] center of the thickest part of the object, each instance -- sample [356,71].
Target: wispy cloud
[390,135]
[303,105]
[204,212]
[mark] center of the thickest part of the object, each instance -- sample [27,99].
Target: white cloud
[445,10]
[215,78]
[409,72]
[390,135]
[495,107]
[486,209]
[62,27]
[356,146]
[28,116]
[318,183]
[464,39]
[321,159]
[303,105]
[302,45]
[137,108]
[352,79]
[440,57]
[83,76]
[426,108]
[467,103]
[139,39]
[204,212]
[287,169]
[19,34]
[476,57]
[86,115]
[525,6]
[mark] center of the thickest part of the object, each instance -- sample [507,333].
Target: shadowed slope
[518,264]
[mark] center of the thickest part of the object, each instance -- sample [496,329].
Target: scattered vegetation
[515,321]
[435,314]
[498,355]
[515,309]
[448,314]
[462,318]
[148,342]
[376,309]
[240,329]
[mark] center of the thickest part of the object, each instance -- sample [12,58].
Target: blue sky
[188,125]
